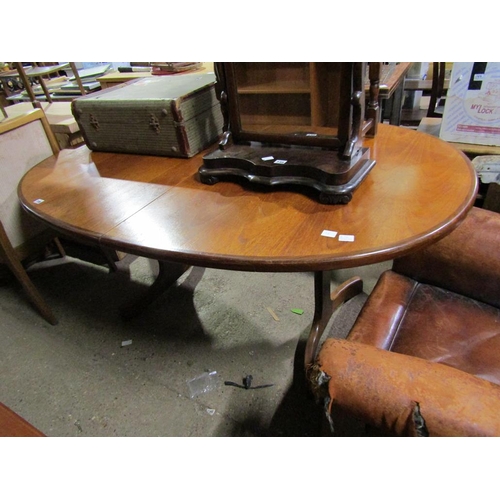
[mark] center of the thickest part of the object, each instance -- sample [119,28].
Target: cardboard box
[163,115]
[472,109]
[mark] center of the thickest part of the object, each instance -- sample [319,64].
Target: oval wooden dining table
[419,190]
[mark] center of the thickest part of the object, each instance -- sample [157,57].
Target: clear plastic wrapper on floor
[206,382]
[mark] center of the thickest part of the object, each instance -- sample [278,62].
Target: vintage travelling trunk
[162,115]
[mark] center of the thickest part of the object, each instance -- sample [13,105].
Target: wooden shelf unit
[304,94]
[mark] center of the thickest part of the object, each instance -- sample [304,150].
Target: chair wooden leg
[60,248]
[8,254]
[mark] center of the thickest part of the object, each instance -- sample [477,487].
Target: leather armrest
[466,261]
[405,395]
[380,318]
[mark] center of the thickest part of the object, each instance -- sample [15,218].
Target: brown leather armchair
[423,357]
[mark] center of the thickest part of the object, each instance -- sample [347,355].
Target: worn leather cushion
[382,388]
[428,322]
[465,261]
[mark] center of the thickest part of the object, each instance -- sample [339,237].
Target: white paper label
[346,237]
[329,234]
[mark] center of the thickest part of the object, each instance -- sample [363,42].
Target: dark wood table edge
[13,425]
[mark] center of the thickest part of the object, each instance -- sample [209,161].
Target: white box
[472,109]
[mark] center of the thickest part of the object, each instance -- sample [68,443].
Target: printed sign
[472,110]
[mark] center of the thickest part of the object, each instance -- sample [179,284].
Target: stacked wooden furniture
[118,77]
[38,73]
[434,86]
[58,112]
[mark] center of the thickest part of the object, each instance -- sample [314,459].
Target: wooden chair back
[25,141]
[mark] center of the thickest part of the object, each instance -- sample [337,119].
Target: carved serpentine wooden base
[323,170]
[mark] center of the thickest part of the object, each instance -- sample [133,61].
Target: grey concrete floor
[78,379]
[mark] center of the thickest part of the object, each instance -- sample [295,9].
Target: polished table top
[418,191]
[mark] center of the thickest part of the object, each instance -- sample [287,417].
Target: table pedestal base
[168,274]
[326,303]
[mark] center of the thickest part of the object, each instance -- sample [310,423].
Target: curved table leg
[326,303]
[169,273]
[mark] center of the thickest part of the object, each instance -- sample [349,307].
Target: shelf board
[297,128]
[280,87]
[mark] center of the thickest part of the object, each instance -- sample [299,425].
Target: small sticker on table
[346,237]
[267,158]
[280,162]
[38,201]
[329,234]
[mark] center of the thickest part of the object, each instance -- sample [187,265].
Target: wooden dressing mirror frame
[320,148]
